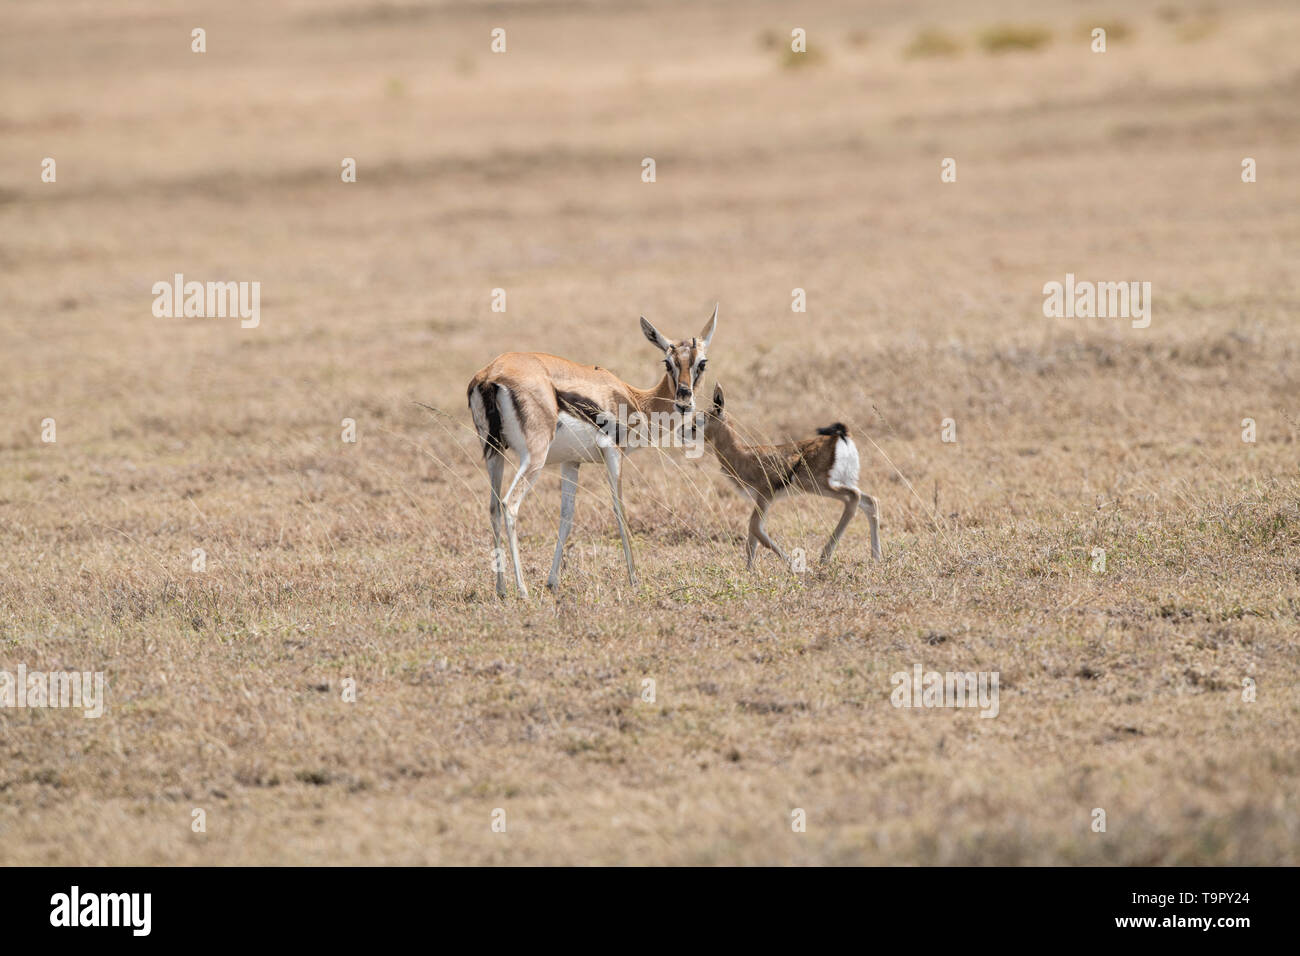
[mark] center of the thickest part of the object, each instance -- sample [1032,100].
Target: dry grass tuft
[1006,38]
[1117,31]
[932,42]
[813,56]
[1198,28]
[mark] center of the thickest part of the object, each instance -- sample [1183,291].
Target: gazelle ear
[712,324]
[653,335]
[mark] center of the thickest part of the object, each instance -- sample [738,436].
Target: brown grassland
[1120,690]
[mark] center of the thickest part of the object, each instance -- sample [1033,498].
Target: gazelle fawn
[825,465]
[551,411]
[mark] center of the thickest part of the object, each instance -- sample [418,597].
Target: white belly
[577,440]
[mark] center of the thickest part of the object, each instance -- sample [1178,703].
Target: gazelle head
[685,360]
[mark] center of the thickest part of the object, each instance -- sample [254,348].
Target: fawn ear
[710,326]
[718,399]
[653,335]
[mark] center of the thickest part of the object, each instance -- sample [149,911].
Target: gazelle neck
[660,398]
[723,439]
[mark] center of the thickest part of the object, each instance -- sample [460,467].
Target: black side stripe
[580,406]
[784,480]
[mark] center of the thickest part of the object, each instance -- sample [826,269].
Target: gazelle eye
[668,365]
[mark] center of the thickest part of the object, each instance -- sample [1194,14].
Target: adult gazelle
[551,411]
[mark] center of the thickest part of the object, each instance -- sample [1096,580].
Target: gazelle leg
[496,468]
[850,497]
[758,532]
[519,488]
[614,471]
[568,492]
[871,508]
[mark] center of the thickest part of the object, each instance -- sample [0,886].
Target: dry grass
[329,561]
[795,60]
[1117,31]
[1196,29]
[931,41]
[1006,37]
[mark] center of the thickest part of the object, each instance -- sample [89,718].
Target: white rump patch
[844,469]
[511,431]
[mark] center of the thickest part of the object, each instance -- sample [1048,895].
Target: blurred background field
[775,171]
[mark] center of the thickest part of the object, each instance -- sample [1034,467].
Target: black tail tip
[837,430]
